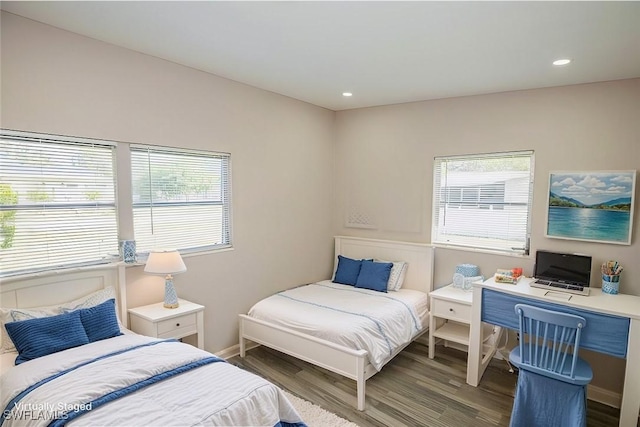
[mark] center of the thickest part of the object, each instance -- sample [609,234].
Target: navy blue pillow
[347,271]
[38,337]
[374,275]
[100,322]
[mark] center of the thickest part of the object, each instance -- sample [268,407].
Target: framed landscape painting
[591,206]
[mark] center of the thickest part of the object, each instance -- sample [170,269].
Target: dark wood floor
[411,390]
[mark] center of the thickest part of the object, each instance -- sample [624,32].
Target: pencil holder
[610,284]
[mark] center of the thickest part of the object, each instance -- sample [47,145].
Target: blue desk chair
[552,379]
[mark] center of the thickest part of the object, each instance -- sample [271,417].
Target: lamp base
[170,296]
[176,305]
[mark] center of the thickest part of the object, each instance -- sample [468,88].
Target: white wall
[384,167]
[281,149]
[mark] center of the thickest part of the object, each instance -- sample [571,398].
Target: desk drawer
[171,325]
[452,310]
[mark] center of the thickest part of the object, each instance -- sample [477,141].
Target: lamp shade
[165,262]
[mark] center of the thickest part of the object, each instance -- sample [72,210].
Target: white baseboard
[234,350]
[604,396]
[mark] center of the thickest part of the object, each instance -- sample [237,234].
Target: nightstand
[453,305]
[155,320]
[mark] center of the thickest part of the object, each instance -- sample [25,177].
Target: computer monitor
[564,268]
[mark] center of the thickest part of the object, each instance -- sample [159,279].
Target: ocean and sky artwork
[592,206]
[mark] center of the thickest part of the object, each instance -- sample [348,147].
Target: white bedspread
[360,319]
[215,394]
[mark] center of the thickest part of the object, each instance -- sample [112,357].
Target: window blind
[57,202]
[181,199]
[483,201]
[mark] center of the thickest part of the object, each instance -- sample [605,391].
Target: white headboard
[419,257]
[51,288]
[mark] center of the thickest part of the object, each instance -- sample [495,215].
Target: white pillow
[16,314]
[90,300]
[397,275]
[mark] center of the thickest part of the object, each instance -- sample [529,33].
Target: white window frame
[462,222]
[122,208]
[176,241]
[61,200]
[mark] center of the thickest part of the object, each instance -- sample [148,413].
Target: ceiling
[382,52]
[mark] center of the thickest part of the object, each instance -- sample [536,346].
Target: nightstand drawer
[452,310]
[171,325]
[155,320]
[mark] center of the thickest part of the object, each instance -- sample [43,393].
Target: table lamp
[166,262]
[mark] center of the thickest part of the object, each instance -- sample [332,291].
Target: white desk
[623,306]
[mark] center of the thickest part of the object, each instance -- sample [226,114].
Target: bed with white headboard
[113,380]
[52,288]
[419,256]
[353,363]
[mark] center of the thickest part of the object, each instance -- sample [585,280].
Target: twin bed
[127,378]
[348,330]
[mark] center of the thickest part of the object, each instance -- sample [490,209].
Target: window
[483,201]
[181,199]
[57,202]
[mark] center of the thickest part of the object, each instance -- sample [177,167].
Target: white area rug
[315,416]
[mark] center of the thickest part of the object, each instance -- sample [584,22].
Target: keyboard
[565,287]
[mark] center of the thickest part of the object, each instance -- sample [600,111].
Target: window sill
[46,273]
[142,258]
[480,250]
[115,264]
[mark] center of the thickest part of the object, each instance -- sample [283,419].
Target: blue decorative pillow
[100,322]
[374,275]
[38,337]
[347,271]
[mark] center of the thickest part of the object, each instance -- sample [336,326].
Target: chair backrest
[549,341]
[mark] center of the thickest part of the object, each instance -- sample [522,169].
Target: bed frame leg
[361,383]
[361,386]
[242,342]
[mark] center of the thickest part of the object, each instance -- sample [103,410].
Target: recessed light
[347,94]
[560,62]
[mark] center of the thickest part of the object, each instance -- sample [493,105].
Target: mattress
[136,380]
[360,319]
